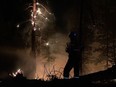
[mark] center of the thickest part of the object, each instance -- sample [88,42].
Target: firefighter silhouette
[74,53]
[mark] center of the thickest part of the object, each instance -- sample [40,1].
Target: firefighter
[74,53]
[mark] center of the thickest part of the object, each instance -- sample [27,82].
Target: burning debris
[19,72]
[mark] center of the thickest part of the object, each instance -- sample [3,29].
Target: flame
[40,18]
[19,71]
[39,11]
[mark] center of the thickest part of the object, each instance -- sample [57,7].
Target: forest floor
[105,78]
[57,83]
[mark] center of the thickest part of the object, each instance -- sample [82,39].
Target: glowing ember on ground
[19,71]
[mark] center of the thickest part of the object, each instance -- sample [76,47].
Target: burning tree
[35,33]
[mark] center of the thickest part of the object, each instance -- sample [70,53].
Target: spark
[39,15]
[35,29]
[32,22]
[39,11]
[44,8]
[35,16]
[18,26]
[37,3]
[39,18]
[43,17]
[47,44]
[46,18]
[31,14]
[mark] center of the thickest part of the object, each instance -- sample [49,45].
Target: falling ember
[32,22]
[35,16]
[40,15]
[18,26]
[35,29]
[39,11]
[47,44]
[37,3]
[40,19]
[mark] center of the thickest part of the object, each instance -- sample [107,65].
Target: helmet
[73,34]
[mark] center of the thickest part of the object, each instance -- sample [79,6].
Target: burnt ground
[105,78]
[56,83]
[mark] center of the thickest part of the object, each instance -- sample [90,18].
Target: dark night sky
[12,12]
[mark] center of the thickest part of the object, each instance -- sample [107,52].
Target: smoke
[26,62]
[50,43]
[12,59]
[55,56]
[51,57]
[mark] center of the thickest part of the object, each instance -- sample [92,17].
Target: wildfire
[40,19]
